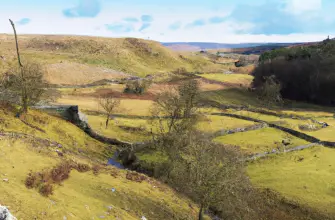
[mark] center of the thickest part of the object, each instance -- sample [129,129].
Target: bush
[44,180]
[133,176]
[82,168]
[31,181]
[61,172]
[96,169]
[46,189]
[139,86]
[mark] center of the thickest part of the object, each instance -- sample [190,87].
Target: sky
[222,21]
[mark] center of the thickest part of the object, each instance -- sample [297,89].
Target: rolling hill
[94,58]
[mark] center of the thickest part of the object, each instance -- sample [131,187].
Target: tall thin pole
[23,89]
[17,45]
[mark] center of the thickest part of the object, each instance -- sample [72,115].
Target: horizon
[229,22]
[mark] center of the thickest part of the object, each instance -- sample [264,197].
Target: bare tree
[25,81]
[209,173]
[25,84]
[109,105]
[176,109]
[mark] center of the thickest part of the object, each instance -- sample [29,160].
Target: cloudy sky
[226,21]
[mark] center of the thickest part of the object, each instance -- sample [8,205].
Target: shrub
[96,169]
[82,168]
[138,86]
[133,176]
[44,180]
[61,172]
[46,189]
[31,181]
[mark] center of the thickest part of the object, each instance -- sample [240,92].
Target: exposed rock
[5,214]
[286,142]
[59,153]
[6,180]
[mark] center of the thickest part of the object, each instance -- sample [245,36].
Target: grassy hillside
[306,176]
[28,145]
[129,55]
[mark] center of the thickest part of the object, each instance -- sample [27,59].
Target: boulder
[286,142]
[5,214]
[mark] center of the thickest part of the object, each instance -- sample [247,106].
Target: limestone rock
[5,214]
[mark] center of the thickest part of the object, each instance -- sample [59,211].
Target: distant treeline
[305,73]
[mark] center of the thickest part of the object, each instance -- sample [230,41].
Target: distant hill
[196,46]
[244,48]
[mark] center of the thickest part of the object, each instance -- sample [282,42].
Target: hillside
[95,58]
[39,143]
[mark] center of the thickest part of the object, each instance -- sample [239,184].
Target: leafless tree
[24,82]
[109,105]
[176,109]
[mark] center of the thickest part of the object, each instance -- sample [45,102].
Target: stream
[113,161]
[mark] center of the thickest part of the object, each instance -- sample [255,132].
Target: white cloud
[225,32]
[302,6]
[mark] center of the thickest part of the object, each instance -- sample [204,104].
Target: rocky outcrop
[5,214]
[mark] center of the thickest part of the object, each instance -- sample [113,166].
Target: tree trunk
[107,120]
[200,213]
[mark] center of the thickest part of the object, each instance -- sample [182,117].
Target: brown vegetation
[43,180]
[134,176]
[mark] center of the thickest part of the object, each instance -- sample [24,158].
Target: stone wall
[71,113]
[295,133]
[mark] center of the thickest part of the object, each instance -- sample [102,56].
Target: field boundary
[295,133]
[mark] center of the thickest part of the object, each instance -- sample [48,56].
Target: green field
[258,141]
[118,128]
[212,123]
[244,79]
[306,176]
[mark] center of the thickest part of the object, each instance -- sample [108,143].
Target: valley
[83,69]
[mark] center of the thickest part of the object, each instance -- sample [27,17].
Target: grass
[134,56]
[128,106]
[325,134]
[82,195]
[90,90]
[235,96]
[305,176]
[262,140]
[243,79]
[114,130]
[71,73]
[212,123]
[54,129]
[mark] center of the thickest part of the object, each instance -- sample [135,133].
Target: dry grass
[127,106]
[134,56]
[69,73]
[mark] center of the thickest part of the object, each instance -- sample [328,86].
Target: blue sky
[230,21]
